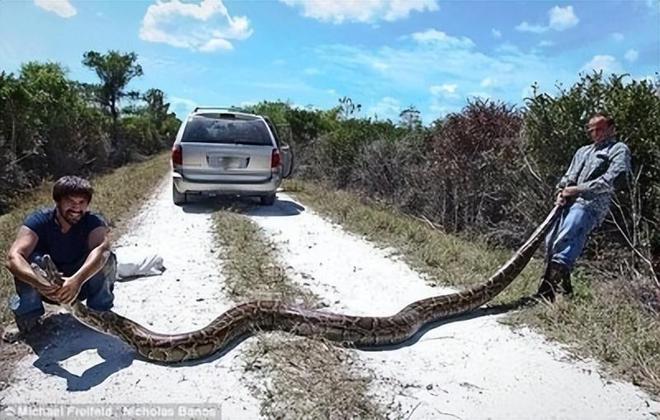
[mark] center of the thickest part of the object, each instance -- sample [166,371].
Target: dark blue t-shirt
[68,250]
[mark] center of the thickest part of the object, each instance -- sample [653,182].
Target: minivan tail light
[177,155]
[275,160]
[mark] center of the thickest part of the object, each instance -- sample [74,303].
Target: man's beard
[70,216]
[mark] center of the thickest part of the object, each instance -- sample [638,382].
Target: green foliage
[410,118]
[149,127]
[115,71]
[554,129]
[143,133]
[51,125]
[347,108]
[276,111]
[338,151]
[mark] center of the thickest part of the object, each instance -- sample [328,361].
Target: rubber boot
[555,280]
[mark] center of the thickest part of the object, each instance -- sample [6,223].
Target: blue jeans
[575,224]
[28,303]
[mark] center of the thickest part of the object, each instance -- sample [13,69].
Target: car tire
[179,198]
[268,200]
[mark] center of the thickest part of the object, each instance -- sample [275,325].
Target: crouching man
[78,243]
[585,192]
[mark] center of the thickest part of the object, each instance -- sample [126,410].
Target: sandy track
[76,365]
[469,369]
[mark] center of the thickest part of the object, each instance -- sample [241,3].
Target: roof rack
[228,108]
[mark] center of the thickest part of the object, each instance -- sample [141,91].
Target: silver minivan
[220,151]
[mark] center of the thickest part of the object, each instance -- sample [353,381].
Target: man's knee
[98,290]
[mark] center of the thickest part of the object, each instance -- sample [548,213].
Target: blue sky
[384,54]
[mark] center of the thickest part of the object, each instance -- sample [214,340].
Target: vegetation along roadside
[600,321]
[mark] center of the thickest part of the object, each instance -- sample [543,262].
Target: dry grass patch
[602,321]
[295,377]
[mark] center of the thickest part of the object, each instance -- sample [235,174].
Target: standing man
[585,192]
[78,243]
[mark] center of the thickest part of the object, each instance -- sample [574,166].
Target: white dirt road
[468,369]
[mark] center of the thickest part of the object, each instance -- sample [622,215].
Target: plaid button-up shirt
[594,170]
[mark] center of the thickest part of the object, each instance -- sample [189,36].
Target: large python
[244,319]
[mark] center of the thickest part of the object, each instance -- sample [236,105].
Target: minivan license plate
[226,162]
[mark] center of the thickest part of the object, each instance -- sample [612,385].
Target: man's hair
[608,120]
[72,186]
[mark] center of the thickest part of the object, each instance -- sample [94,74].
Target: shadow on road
[246,205]
[61,337]
[279,208]
[475,313]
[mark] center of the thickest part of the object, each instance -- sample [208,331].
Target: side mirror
[287,160]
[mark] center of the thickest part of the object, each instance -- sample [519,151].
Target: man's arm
[99,243]
[17,262]
[572,173]
[562,189]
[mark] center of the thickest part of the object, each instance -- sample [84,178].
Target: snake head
[48,271]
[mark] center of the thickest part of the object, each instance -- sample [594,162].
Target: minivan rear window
[225,130]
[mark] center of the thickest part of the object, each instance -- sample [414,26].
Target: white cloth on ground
[137,262]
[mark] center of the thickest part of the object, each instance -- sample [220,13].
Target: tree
[115,70]
[157,108]
[410,118]
[348,108]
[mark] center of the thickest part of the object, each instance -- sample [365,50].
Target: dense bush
[474,154]
[51,126]
[554,129]
[491,169]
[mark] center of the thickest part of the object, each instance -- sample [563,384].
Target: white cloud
[562,18]
[181,106]
[386,108]
[526,27]
[496,33]
[631,55]
[433,36]
[559,19]
[62,8]
[206,26]
[604,63]
[508,48]
[617,36]
[414,68]
[447,90]
[215,44]
[340,11]
[546,43]
[488,82]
